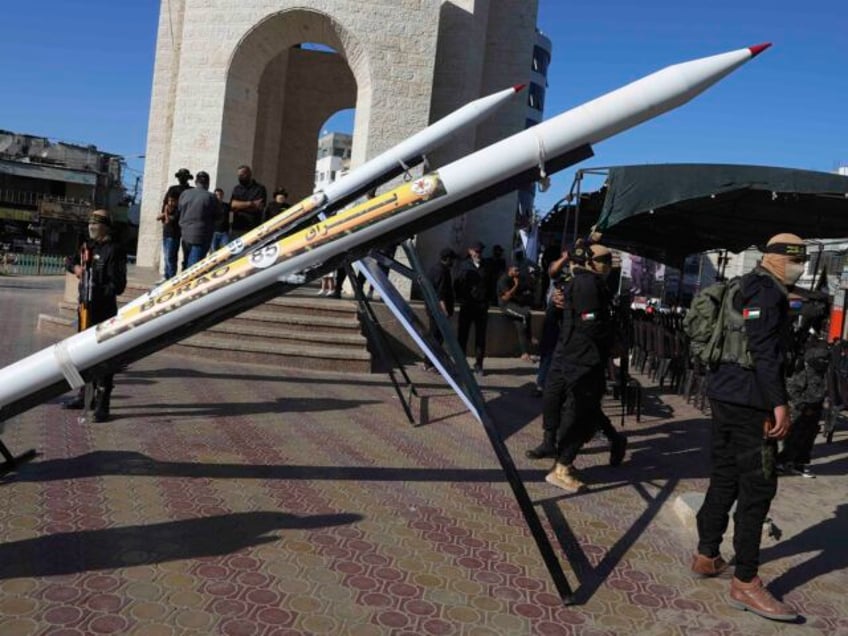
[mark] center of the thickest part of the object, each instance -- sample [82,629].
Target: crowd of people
[199,221]
[766,405]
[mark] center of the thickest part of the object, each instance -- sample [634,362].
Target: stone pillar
[230,89]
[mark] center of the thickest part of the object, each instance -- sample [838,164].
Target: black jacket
[586,331]
[108,279]
[769,332]
[244,220]
[472,282]
[440,277]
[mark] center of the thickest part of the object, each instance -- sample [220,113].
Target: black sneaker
[542,451]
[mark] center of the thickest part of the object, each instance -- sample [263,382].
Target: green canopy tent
[668,211]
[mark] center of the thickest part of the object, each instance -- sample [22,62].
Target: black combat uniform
[99,291]
[742,400]
[576,379]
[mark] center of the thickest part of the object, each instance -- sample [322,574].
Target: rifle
[87,287]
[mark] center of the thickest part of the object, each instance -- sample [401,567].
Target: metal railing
[20,264]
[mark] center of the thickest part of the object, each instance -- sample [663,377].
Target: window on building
[536,97]
[541,60]
[338,152]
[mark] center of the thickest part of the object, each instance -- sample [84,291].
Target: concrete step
[298,330]
[276,318]
[298,355]
[341,352]
[254,331]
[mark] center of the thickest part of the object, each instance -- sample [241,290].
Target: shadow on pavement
[237,409]
[591,578]
[827,539]
[83,551]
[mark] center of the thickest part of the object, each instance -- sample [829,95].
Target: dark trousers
[341,275]
[737,475]
[520,315]
[571,409]
[477,314]
[802,436]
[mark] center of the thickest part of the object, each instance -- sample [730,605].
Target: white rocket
[260,274]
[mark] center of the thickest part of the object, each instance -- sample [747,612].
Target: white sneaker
[320,292]
[565,477]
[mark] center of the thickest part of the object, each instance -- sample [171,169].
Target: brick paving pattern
[247,499]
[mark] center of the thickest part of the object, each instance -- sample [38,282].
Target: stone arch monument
[243,82]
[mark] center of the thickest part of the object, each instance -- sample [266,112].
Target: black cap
[478,246]
[447,253]
[183,173]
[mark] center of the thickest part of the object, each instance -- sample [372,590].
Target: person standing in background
[247,203]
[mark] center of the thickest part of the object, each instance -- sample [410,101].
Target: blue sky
[81,70]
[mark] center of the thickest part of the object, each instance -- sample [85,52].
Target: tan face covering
[783,268]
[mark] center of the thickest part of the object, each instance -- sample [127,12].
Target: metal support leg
[372,325]
[12,462]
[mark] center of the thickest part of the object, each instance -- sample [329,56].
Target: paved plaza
[246,499]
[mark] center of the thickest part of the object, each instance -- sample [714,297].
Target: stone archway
[278,94]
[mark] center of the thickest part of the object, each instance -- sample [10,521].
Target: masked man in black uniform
[750,414]
[576,381]
[101,266]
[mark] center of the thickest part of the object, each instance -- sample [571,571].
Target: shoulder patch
[751,313]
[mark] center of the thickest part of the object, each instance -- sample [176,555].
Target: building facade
[234,84]
[47,190]
[334,151]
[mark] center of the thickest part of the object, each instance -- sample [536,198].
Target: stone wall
[229,89]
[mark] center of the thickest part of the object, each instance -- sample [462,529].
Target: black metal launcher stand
[451,362]
[11,462]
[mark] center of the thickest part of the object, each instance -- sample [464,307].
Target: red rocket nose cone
[758,48]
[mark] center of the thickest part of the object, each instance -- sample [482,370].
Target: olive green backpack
[716,329]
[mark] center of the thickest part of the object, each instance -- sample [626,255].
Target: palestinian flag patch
[588,316]
[751,313]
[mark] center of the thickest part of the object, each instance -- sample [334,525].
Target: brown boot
[706,566]
[565,477]
[754,597]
